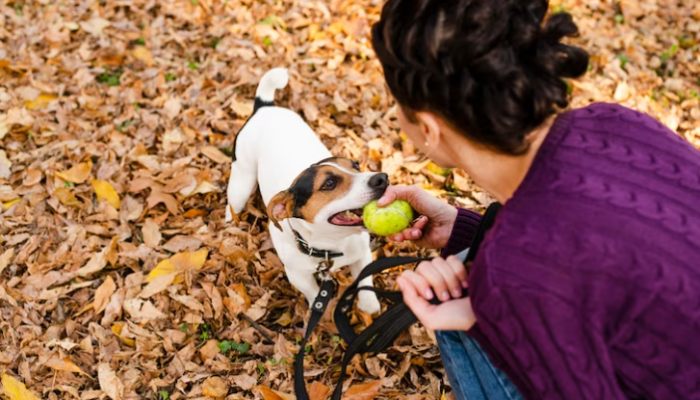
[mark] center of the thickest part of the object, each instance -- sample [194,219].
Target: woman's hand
[432,230]
[447,279]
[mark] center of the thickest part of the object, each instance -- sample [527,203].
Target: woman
[588,284]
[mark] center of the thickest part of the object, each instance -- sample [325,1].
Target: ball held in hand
[389,220]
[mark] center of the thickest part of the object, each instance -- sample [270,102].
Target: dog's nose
[379,181]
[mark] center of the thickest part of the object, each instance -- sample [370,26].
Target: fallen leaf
[96,263]
[182,242]
[6,258]
[284,319]
[143,54]
[194,213]
[76,174]
[5,166]
[244,381]
[270,394]
[6,206]
[117,329]
[210,349]
[364,391]
[158,284]
[214,387]
[66,197]
[15,389]
[319,391]
[95,26]
[65,364]
[109,382]
[243,109]
[179,263]
[41,101]
[105,191]
[151,233]
[189,302]
[103,293]
[216,155]
[172,107]
[157,196]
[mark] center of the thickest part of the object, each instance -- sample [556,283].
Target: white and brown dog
[314,200]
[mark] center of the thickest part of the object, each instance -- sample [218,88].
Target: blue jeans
[471,373]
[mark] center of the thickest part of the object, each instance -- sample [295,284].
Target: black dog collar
[313,252]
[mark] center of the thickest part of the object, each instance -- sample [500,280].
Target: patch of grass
[169,77]
[261,368]
[623,60]
[215,42]
[141,41]
[228,346]
[67,184]
[124,125]
[192,65]
[267,41]
[164,395]
[183,327]
[110,78]
[666,55]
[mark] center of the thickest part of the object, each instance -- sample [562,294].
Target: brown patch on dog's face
[331,191]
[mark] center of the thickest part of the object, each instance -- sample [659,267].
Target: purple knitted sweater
[588,284]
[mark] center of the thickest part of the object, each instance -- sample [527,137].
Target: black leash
[387,327]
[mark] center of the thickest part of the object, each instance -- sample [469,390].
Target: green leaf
[110,78]
[192,65]
[225,346]
[169,77]
[623,60]
[141,41]
[336,339]
[194,2]
[204,336]
[559,9]
[215,42]
[164,395]
[261,368]
[619,18]
[183,327]
[267,41]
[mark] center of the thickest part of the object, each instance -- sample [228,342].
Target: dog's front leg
[367,300]
[304,282]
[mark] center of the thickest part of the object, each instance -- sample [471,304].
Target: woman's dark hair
[489,67]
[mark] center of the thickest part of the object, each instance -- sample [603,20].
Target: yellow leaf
[66,197]
[9,204]
[436,169]
[143,54]
[284,319]
[16,390]
[64,365]
[77,174]
[117,328]
[41,101]
[179,263]
[105,191]
[103,293]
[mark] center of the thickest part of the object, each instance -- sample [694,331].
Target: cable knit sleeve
[463,232]
[546,342]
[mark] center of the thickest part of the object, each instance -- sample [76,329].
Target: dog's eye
[329,184]
[356,165]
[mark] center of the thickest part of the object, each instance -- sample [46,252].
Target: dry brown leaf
[181,242]
[216,155]
[158,284]
[143,54]
[157,196]
[210,349]
[5,166]
[6,258]
[319,391]
[109,382]
[214,387]
[66,197]
[244,381]
[76,174]
[269,394]
[65,364]
[15,389]
[364,391]
[41,101]
[103,293]
[105,191]
[96,263]
[151,233]
[117,329]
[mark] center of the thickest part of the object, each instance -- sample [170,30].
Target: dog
[314,200]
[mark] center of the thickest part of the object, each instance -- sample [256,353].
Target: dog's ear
[281,207]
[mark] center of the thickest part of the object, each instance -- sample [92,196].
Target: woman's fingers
[412,298]
[389,196]
[414,232]
[418,282]
[428,270]
[449,276]
[458,268]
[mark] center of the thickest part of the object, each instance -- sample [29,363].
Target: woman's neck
[500,174]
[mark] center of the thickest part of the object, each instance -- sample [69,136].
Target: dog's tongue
[346,218]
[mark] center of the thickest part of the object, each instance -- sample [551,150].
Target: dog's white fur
[274,147]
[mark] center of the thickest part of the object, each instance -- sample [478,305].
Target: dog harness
[387,327]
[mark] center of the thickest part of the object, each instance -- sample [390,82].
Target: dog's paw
[368,302]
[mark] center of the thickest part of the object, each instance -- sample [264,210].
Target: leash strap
[387,327]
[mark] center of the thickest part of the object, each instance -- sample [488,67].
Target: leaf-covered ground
[118,276]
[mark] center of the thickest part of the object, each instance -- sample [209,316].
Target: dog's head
[330,193]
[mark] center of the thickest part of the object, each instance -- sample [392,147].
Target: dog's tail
[272,80]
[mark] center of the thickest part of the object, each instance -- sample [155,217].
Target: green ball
[389,220]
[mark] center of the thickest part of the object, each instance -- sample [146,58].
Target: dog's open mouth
[347,218]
